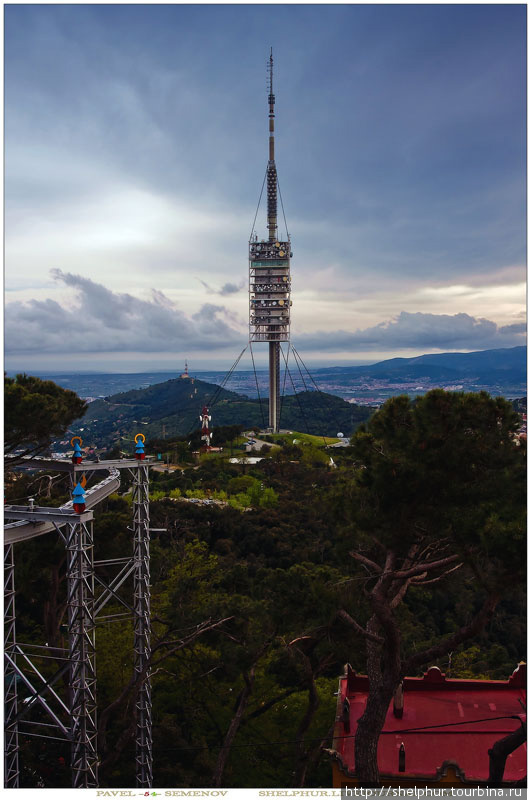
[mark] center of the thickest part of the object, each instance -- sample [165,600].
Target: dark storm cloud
[400,148]
[106,321]
[231,288]
[421,332]
[408,139]
[227,288]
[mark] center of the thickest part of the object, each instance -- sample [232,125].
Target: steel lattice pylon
[75,719]
[82,654]
[11,767]
[21,665]
[142,626]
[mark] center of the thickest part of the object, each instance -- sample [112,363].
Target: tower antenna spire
[271,167]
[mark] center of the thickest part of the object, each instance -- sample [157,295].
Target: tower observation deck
[269,276]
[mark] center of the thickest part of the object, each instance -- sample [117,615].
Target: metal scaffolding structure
[73,718]
[142,625]
[82,654]
[11,768]
[21,660]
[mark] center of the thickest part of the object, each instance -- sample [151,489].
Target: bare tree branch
[419,582]
[345,616]
[367,561]
[262,709]
[178,644]
[412,553]
[400,593]
[389,561]
[426,566]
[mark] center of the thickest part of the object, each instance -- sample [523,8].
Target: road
[258,443]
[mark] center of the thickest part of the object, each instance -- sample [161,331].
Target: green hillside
[172,409]
[257,572]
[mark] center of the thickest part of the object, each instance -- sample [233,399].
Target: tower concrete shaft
[274,385]
[269,276]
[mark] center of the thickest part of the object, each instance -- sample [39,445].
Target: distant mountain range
[496,371]
[483,366]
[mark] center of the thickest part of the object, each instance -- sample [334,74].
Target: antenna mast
[269,275]
[271,168]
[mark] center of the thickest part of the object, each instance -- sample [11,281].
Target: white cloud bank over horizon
[104,323]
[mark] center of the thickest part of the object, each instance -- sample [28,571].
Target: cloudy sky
[135,149]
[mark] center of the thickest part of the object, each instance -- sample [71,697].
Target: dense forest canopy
[270,589]
[35,412]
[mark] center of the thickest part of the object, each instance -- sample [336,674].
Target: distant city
[369,386]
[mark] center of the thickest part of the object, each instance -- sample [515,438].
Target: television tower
[269,276]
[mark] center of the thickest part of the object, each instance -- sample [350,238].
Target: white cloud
[104,321]
[226,289]
[422,332]
[100,320]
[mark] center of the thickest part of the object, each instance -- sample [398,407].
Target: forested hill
[172,408]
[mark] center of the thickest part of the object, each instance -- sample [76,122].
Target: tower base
[274,385]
